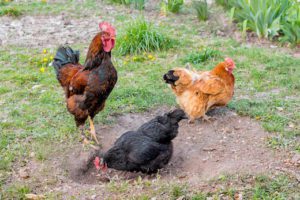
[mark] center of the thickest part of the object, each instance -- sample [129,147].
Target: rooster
[198,92]
[87,86]
[147,149]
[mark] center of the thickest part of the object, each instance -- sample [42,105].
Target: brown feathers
[197,92]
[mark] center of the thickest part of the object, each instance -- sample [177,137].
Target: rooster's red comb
[107,27]
[230,62]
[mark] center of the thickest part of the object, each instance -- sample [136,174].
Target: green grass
[55,8]
[141,36]
[10,11]
[15,192]
[197,57]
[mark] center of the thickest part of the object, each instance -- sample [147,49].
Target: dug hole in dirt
[230,144]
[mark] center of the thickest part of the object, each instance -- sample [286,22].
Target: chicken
[87,86]
[147,149]
[198,92]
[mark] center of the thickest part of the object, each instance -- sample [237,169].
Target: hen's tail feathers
[177,114]
[64,55]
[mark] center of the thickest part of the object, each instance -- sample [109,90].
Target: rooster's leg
[92,130]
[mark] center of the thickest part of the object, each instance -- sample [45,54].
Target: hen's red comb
[97,163]
[107,27]
[230,62]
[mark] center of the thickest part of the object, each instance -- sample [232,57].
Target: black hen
[147,149]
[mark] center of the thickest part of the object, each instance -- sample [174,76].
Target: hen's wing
[210,85]
[143,151]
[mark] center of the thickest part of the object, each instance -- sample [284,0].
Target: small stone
[32,154]
[296,160]
[238,196]
[291,125]
[23,172]
[181,198]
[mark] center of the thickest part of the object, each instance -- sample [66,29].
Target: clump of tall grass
[201,56]
[171,5]
[124,2]
[141,36]
[138,4]
[201,8]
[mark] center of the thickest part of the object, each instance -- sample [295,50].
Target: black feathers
[147,149]
[65,55]
[170,78]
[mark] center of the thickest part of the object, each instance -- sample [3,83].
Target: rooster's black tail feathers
[64,55]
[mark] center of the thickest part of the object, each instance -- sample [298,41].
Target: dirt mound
[228,144]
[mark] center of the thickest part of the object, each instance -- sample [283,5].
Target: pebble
[23,173]
[296,160]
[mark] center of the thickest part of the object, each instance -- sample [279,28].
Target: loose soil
[230,144]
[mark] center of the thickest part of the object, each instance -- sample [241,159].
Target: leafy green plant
[225,3]
[200,56]
[142,36]
[267,18]
[290,25]
[11,11]
[201,8]
[263,17]
[171,5]
[291,33]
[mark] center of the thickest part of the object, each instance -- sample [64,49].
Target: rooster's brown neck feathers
[95,54]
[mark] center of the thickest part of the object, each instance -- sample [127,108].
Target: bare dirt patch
[230,144]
